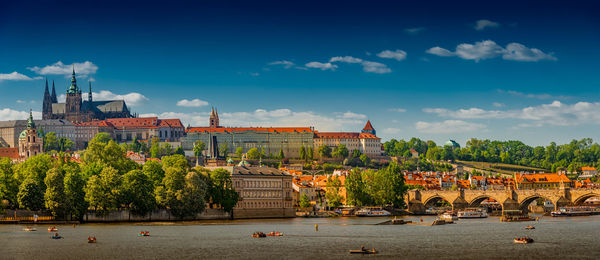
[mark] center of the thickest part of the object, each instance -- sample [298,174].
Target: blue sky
[525,71]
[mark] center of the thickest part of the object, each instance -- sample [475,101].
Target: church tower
[369,129]
[214,118]
[73,102]
[47,104]
[31,143]
[54,100]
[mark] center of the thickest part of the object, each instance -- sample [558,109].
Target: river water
[577,237]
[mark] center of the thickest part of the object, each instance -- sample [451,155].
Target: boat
[449,216]
[575,211]
[144,234]
[91,239]
[372,212]
[52,229]
[258,235]
[523,240]
[514,216]
[29,229]
[56,236]
[363,251]
[529,227]
[472,213]
[275,234]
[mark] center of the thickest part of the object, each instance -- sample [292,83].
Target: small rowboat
[523,240]
[52,229]
[29,229]
[530,227]
[91,239]
[363,251]
[144,234]
[258,235]
[57,237]
[275,234]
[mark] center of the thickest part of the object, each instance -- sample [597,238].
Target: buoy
[316,227]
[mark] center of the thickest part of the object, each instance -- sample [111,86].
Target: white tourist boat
[449,215]
[472,213]
[372,212]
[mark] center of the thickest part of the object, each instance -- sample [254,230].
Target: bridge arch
[581,199]
[477,200]
[524,204]
[435,198]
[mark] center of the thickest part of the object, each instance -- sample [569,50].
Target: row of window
[264,204]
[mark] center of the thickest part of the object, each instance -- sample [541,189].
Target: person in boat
[363,248]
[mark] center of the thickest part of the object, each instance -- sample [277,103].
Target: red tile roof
[132,123]
[10,152]
[344,135]
[251,129]
[542,178]
[368,126]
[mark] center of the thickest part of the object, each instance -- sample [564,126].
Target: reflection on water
[473,238]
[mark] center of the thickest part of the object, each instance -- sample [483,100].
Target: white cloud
[375,67]
[489,49]
[132,99]
[397,54]
[254,74]
[498,104]
[392,130]
[11,114]
[346,59]
[192,103]
[81,68]
[518,52]
[531,95]
[15,76]
[351,115]
[368,66]
[555,113]
[322,66]
[415,30]
[439,51]
[399,110]
[286,63]
[448,127]
[483,24]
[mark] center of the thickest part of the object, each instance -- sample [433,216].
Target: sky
[515,70]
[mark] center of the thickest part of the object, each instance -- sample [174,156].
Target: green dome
[452,143]
[23,134]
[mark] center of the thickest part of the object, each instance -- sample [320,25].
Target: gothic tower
[214,118]
[369,129]
[47,104]
[54,100]
[31,143]
[73,102]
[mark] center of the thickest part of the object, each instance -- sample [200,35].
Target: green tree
[340,151]
[75,195]
[54,198]
[239,151]
[64,144]
[135,145]
[310,154]
[175,161]
[302,153]
[153,169]
[355,189]
[324,151]
[224,149]
[222,192]
[31,194]
[304,201]
[35,167]
[365,160]
[281,155]
[8,184]
[334,199]
[253,153]
[138,192]
[183,195]
[50,142]
[194,193]
[179,150]
[103,191]
[108,154]
[155,148]
[199,148]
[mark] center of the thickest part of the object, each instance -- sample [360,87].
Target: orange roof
[10,152]
[137,122]
[542,178]
[344,135]
[245,129]
[588,168]
[368,126]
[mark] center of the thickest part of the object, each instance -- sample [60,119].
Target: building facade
[271,139]
[140,128]
[76,110]
[79,135]
[264,192]
[366,141]
[31,143]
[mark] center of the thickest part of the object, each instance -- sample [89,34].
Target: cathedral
[77,110]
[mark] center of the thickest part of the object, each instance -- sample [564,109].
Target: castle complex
[76,110]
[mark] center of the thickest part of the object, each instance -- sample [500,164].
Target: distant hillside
[502,168]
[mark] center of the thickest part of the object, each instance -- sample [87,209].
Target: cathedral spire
[30,123]
[73,88]
[90,93]
[46,92]
[54,100]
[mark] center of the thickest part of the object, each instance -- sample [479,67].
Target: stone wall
[264,213]
[157,215]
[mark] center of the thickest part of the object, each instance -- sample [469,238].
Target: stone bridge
[418,200]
